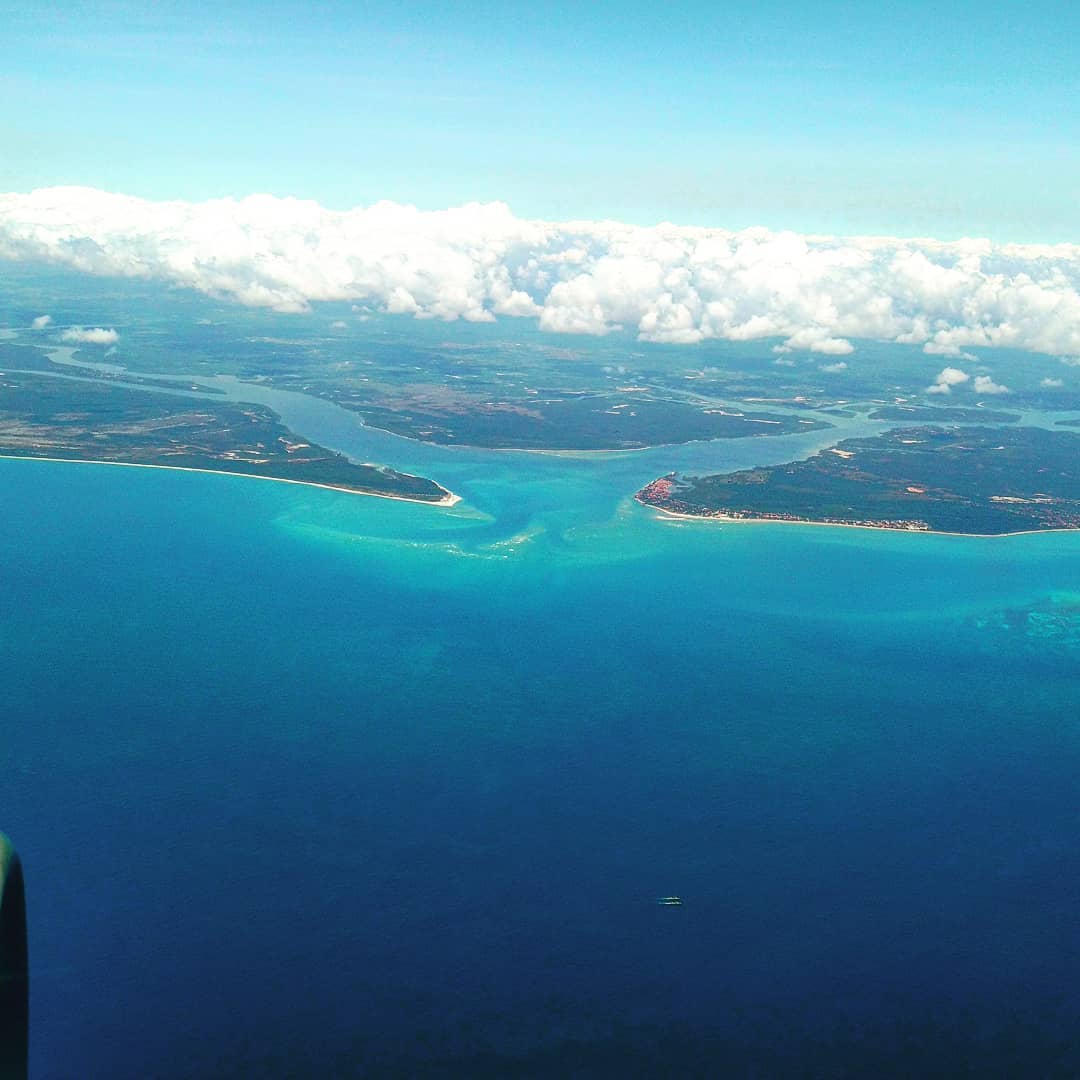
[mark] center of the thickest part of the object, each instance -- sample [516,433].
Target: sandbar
[450,499]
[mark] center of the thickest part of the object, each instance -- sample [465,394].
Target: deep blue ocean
[314,784]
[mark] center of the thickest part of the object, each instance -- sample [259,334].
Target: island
[557,419]
[942,414]
[46,416]
[971,481]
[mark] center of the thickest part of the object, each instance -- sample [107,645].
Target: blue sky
[922,119]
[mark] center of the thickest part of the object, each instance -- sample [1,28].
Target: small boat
[670,901]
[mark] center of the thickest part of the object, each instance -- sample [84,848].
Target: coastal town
[659,495]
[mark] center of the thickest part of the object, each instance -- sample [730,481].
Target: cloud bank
[666,283]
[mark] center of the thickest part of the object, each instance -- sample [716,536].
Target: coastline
[450,498]
[727,520]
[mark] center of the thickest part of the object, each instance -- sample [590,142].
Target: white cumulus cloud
[90,335]
[1052,384]
[480,262]
[948,378]
[984,384]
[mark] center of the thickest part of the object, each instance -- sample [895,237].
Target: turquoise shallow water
[309,782]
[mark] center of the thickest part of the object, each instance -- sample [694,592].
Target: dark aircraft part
[14,971]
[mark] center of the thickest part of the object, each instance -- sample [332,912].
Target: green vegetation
[981,481]
[44,416]
[34,358]
[560,421]
[942,414]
